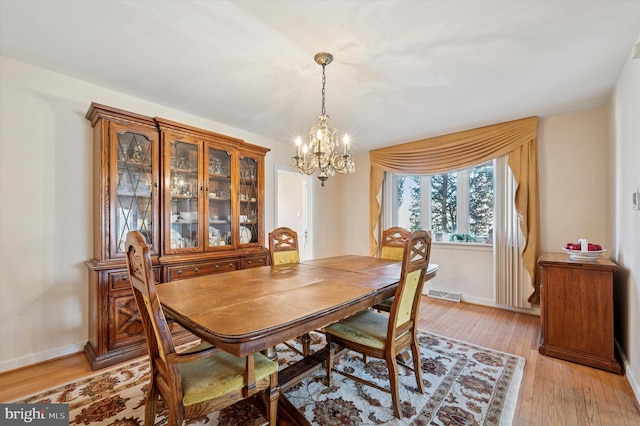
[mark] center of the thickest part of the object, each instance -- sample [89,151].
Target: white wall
[572,169]
[46,230]
[624,222]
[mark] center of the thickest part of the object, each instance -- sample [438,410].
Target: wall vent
[444,295]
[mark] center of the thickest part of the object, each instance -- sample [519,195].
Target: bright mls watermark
[34,414]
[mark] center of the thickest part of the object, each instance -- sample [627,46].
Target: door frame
[305,235]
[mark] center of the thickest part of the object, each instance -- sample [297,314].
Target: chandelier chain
[324,82]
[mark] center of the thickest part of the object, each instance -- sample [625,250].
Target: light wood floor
[553,392]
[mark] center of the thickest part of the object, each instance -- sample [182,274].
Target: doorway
[293,207]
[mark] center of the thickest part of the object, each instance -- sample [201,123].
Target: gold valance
[461,150]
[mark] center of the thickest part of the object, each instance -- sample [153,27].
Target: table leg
[404,356]
[270,353]
[305,339]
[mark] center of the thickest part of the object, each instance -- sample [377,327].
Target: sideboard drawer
[254,262]
[120,280]
[197,269]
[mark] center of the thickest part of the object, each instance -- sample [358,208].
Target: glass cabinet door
[135,188]
[184,196]
[249,192]
[218,189]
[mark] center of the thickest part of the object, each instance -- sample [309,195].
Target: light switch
[636,200]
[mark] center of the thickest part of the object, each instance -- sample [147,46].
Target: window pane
[444,202]
[408,202]
[481,199]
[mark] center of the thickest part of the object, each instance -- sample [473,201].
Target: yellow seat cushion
[218,375]
[366,328]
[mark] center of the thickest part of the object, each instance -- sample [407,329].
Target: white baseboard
[535,310]
[12,364]
[630,373]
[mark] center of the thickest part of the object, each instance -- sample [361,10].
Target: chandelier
[321,152]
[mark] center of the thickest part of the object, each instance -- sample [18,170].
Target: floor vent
[437,294]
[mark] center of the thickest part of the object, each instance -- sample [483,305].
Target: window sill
[452,245]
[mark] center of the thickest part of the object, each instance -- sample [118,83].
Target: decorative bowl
[189,216]
[583,255]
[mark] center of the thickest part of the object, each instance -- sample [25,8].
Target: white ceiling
[402,70]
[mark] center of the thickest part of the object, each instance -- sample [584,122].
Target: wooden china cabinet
[198,198]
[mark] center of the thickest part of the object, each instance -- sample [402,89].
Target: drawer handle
[125,278]
[179,271]
[196,269]
[217,266]
[260,260]
[230,265]
[249,262]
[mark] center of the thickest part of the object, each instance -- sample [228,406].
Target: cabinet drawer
[197,269]
[120,280]
[254,262]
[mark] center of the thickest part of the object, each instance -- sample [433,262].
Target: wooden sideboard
[577,310]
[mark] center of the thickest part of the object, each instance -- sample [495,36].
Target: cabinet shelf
[124,165]
[184,197]
[219,177]
[186,171]
[134,194]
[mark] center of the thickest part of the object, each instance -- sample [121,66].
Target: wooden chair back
[155,325]
[404,311]
[283,246]
[393,242]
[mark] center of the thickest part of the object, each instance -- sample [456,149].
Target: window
[457,206]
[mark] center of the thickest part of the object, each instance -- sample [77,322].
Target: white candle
[298,143]
[346,144]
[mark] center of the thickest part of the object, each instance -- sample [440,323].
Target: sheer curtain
[442,154]
[510,275]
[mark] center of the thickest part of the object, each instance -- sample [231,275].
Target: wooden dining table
[250,310]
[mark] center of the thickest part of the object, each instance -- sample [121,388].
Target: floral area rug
[464,385]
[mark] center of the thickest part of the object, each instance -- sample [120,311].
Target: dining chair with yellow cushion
[383,336]
[391,247]
[283,250]
[283,246]
[200,380]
